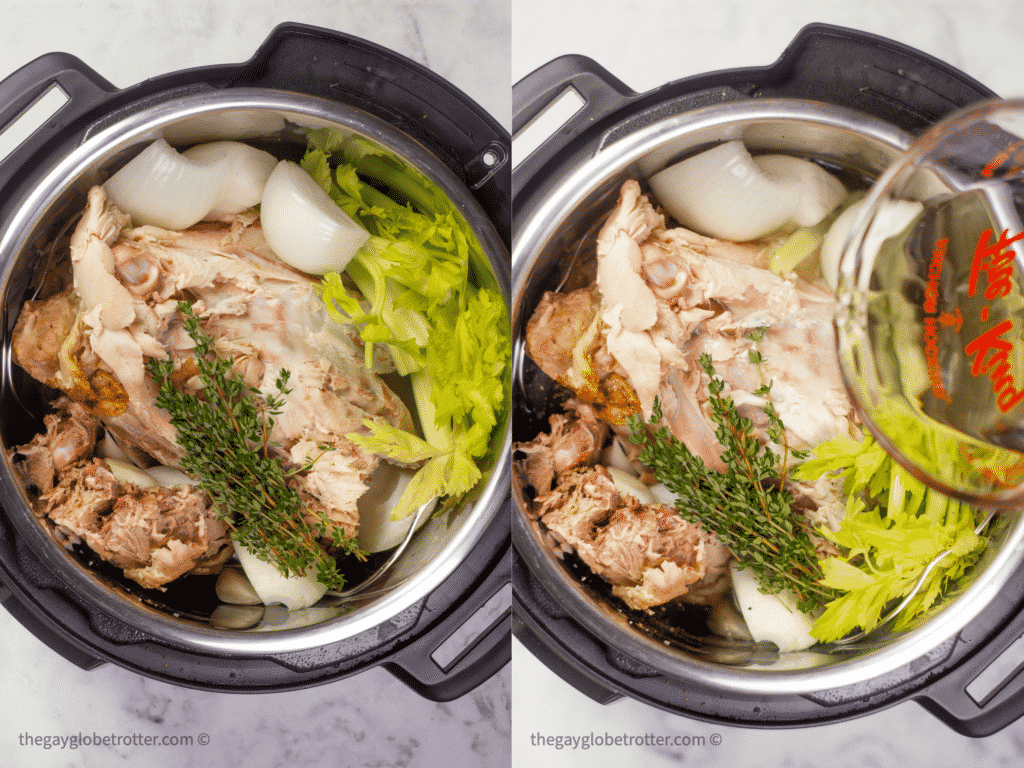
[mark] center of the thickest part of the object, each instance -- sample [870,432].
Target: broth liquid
[944,326]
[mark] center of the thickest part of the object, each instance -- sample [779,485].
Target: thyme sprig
[224,430]
[747,506]
[775,430]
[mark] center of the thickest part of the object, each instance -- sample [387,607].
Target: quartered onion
[246,170]
[161,187]
[721,192]
[159,475]
[772,618]
[304,226]
[272,587]
[108,449]
[820,191]
[377,531]
[124,470]
[615,456]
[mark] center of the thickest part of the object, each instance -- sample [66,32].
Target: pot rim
[145,125]
[532,232]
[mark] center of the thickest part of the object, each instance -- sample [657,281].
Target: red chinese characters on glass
[996,261]
[990,351]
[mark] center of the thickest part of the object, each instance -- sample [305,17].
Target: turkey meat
[119,308]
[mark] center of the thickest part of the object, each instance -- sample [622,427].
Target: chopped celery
[805,241]
[798,246]
[432,301]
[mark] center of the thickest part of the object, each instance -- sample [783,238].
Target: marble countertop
[370,719]
[646,43]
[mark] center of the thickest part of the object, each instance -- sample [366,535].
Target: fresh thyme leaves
[776,431]
[747,506]
[224,430]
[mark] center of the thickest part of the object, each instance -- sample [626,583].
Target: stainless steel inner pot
[570,205]
[279,121]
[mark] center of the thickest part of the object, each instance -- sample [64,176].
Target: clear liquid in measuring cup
[942,335]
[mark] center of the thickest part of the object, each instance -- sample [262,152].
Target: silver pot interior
[280,123]
[675,640]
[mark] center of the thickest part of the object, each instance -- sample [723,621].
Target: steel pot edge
[137,127]
[567,190]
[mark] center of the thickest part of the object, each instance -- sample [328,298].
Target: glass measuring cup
[931,297]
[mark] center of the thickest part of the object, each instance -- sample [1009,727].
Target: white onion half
[161,187]
[292,591]
[246,170]
[820,191]
[772,618]
[303,226]
[377,531]
[721,192]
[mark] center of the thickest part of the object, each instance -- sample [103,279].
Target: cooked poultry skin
[647,552]
[93,339]
[662,298]
[154,534]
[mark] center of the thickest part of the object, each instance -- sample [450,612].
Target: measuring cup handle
[83,87]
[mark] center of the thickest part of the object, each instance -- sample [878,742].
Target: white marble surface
[370,719]
[646,43]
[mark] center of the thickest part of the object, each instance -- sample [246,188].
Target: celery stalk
[434,303]
[797,247]
[804,242]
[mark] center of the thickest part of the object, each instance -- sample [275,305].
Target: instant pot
[301,79]
[853,102]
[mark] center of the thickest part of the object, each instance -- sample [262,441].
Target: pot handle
[824,62]
[332,65]
[416,664]
[47,636]
[539,644]
[81,85]
[869,73]
[985,693]
[601,92]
